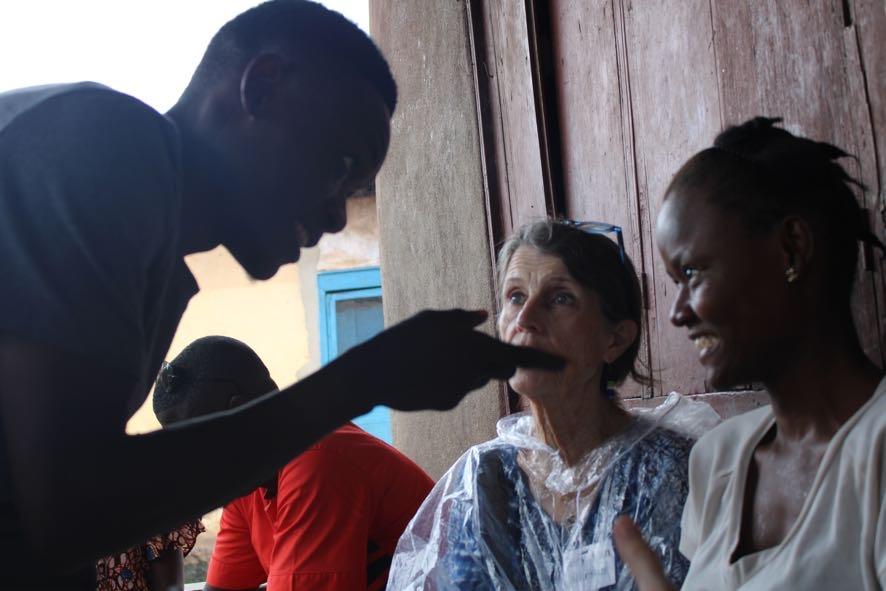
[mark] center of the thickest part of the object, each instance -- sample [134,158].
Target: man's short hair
[300,29]
[181,383]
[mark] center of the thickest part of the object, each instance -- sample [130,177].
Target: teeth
[705,342]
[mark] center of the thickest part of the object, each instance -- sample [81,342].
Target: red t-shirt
[339,510]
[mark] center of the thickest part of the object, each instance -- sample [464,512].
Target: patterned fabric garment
[128,571]
[649,483]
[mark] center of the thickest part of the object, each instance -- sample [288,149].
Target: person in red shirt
[329,520]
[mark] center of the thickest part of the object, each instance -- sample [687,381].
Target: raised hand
[636,553]
[431,360]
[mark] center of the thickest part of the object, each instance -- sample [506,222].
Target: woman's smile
[707,345]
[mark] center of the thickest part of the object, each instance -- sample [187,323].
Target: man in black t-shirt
[100,199]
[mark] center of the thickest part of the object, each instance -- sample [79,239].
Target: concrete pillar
[431,206]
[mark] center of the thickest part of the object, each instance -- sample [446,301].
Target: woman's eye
[563,298]
[516,298]
[689,272]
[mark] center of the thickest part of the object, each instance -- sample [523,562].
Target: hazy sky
[147,48]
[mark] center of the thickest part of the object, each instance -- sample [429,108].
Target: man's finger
[501,371]
[534,358]
[636,553]
[466,318]
[482,358]
[500,360]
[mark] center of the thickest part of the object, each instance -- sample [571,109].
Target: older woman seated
[533,508]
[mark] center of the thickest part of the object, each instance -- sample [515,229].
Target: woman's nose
[528,318]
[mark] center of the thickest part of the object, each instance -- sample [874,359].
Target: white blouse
[839,538]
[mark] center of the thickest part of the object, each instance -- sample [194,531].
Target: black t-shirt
[90,258]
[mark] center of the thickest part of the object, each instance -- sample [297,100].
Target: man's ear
[797,244]
[260,81]
[623,335]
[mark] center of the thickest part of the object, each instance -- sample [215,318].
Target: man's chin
[261,275]
[264,270]
[263,263]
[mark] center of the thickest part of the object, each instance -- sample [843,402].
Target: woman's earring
[791,275]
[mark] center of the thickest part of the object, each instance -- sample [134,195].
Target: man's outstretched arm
[64,417]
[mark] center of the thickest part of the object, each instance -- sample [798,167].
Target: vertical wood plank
[432,215]
[513,127]
[799,61]
[671,70]
[597,126]
[595,166]
[868,25]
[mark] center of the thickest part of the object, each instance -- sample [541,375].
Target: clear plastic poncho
[510,514]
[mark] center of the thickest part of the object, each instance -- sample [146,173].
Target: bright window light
[146,49]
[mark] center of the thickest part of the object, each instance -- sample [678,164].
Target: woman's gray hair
[595,262]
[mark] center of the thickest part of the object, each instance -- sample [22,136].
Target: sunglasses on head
[600,228]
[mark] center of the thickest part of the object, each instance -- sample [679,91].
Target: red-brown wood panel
[799,61]
[596,125]
[867,22]
[643,84]
[676,111]
[511,117]
[597,162]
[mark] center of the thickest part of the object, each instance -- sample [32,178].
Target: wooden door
[635,87]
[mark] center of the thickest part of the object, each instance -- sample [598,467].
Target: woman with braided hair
[760,234]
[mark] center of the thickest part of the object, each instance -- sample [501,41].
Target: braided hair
[764,173]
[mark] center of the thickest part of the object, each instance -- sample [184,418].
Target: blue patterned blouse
[512,543]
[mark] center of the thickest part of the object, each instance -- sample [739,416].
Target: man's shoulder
[105,150]
[244,505]
[50,103]
[70,132]
[14,103]
[350,440]
[352,451]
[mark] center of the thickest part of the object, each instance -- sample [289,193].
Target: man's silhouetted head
[210,375]
[287,115]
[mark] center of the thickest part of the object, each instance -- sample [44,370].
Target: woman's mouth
[706,345]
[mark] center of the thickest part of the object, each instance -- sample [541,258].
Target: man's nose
[336,218]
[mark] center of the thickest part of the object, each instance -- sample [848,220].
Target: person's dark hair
[210,359]
[595,262]
[300,29]
[764,173]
